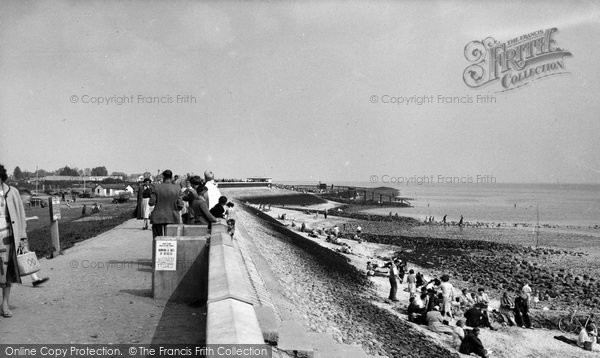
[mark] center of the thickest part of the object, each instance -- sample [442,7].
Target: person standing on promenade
[213,191]
[393,282]
[199,204]
[13,228]
[166,200]
[143,200]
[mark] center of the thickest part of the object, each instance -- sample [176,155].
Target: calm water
[559,204]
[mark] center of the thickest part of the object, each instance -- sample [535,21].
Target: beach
[494,258]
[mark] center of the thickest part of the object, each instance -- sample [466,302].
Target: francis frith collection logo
[514,63]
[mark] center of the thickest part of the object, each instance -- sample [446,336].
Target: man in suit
[167,202]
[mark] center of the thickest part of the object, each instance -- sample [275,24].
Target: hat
[208,175]
[196,180]
[437,308]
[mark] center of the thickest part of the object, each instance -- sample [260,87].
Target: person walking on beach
[393,274]
[460,223]
[166,200]
[444,219]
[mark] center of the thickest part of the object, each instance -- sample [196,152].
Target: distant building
[53,178]
[260,179]
[112,189]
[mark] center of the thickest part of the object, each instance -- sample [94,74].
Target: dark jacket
[472,344]
[218,211]
[474,317]
[166,199]
[144,191]
[202,215]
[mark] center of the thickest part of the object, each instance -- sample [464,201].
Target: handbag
[27,262]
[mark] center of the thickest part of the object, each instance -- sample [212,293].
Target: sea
[576,205]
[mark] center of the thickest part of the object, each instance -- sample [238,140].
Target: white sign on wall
[166,255]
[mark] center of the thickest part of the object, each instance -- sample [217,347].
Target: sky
[293,90]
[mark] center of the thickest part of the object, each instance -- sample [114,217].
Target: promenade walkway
[100,291]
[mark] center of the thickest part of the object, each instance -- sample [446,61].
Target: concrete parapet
[221,226]
[231,318]
[186,230]
[220,239]
[226,276]
[230,321]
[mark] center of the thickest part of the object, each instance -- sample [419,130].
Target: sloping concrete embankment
[347,303]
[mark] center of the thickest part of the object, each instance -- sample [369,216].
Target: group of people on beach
[192,200]
[436,304]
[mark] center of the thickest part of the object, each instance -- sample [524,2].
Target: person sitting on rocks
[370,269]
[336,231]
[476,317]
[416,314]
[466,300]
[303,227]
[587,339]
[472,344]
[432,299]
[482,297]
[421,300]
[436,322]
[456,308]
[483,300]
[459,329]
[521,311]
[420,280]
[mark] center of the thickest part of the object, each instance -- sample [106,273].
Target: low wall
[189,280]
[231,318]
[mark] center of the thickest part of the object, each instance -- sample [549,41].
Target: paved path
[100,292]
